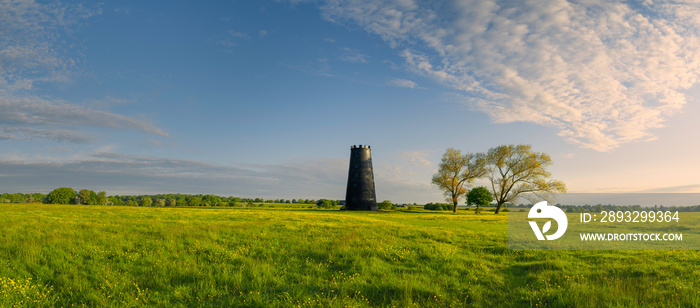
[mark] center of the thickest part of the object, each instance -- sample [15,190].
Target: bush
[325,203]
[439,206]
[386,205]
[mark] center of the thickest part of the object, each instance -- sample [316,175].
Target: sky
[265,98]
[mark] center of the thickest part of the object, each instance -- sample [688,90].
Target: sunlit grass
[101,256]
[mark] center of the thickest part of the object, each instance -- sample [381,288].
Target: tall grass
[98,256]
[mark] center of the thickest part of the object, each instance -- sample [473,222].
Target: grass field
[107,256]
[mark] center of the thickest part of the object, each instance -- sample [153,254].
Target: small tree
[516,170]
[84,195]
[170,202]
[159,202]
[456,172]
[480,196]
[63,195]
[386,205]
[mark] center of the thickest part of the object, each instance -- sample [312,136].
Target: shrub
[439,206]
[325,203]
[386,205]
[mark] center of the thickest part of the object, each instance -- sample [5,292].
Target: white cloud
[403,83]
[350,55]
[603,72]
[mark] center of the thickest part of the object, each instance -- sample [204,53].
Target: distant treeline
[66,195]
[609,207]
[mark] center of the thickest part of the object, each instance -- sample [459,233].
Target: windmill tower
[360,193]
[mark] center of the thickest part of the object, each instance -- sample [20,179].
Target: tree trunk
[498,207]
[455,209]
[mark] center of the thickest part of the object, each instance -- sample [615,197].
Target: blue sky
[265,98]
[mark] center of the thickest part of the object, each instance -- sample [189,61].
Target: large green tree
[456,172]
[63,195]
[515,170]
[480,196]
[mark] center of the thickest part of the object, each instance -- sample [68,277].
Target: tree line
[67,195]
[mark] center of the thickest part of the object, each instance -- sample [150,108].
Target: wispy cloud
[31,110]
[34,48]
[603,72]
[237,34]
[31,44]
[320,67]
[675,189]
[351,55]
[60,135]
[419,158]
[403,83]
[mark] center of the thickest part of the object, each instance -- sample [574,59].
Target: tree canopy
[515,170]
[456,172]
[63,195]
[480,196]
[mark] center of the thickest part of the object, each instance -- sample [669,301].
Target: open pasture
[109,256]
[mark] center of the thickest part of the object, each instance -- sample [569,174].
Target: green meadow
[115,256]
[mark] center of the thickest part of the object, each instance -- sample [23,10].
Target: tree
[481,196]
[159,202]
[515,170]
[194,201]
[84,195]
[170,202]
[457,171]
[92,200]
[63,195]
[102,198]
[146,201]
[386,205]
